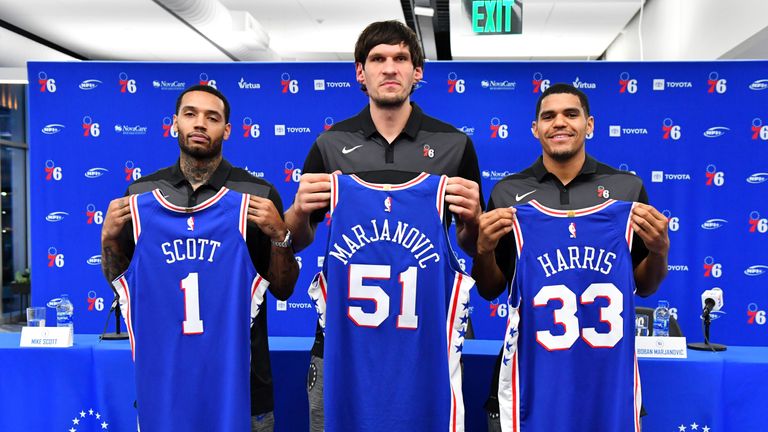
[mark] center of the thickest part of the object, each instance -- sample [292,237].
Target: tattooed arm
[283,268]
[114,251]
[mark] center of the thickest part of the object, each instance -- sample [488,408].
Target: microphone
[711,300]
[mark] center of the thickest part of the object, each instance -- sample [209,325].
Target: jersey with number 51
[188,297]
[569,351]
[394,306]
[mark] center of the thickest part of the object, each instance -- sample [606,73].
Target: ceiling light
[424,11]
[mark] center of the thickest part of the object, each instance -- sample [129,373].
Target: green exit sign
[497,16]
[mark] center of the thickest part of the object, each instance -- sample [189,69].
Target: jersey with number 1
[569,352]
[394,306]
[188,298]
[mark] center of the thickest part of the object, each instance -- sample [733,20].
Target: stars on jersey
[82,419]
[510,341]
[462,330]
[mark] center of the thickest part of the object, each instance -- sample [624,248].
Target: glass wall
[13,199]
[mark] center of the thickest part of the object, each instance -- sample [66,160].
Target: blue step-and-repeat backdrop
[695,132]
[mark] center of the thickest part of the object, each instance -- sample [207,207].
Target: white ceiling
[296,29]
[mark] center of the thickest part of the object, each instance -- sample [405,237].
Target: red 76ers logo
[539,83]
[46,84]
[127,85]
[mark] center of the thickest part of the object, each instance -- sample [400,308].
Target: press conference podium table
[90,387]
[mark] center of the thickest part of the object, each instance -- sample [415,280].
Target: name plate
[46,337]
[661,347]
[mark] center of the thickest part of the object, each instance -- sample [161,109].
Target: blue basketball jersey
[394,306]
[569,351]
[188,298]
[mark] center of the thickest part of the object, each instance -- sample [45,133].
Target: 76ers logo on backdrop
[455,85]
[712,268]
[755,315]
[671,130]
[714,177]
[92,216]
[250,129]
[757,224]
[715,84]
[132,172]
[90,128]
[55,259]
[168,130]
[499,130]
[328,123]
[52,172]
[627,84]
[759,130]
[46,84]
[95,302]
[206,80]
[291,174]
[539,83]
[288,84]
[673,221]
[127,85]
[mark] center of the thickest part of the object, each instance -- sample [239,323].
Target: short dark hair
[207,89]
[560,88]
[389,33]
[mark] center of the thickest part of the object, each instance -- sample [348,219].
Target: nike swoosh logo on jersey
[519,197]
[345,150]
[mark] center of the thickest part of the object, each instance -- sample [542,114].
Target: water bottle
[661,319]
[64,312]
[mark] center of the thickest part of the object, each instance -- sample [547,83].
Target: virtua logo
[56,216]
[245,85]
[94,260]
[716,132]
[583,84]
[89,84]
[759,85]
[757,178]
[677,267]
[756,270]
[258,174]
[95,172]
[713,224]
[53,128]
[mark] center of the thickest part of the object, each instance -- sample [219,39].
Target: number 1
[192,323]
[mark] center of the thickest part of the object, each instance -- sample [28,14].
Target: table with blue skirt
[90,387]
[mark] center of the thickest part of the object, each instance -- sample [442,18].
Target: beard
[202,153]
[564,156]
[393,101]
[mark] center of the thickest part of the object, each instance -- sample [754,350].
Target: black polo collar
[540,171]
[217,181]
[411,127]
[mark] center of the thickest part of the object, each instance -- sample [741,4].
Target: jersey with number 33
[569,351]
[188,298]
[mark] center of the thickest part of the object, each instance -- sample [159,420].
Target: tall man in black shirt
[564,177]
[202,123]
[391,134]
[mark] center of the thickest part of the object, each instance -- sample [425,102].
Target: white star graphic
[82,413]
[76,421]
[681,428]
[104,425]
[98,416]
[705,428]
[90,411]
[72,430]
[694,426]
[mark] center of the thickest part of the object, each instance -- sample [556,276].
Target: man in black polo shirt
[390,134]
[202,123]
[564,177]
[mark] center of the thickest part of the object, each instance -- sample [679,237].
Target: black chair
[674,327]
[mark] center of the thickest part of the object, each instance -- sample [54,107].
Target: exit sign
[496,16]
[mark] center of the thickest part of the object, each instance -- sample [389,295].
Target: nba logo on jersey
[394,306]
[188,298]
[569,351]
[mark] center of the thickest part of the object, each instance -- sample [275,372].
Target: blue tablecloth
[89,387]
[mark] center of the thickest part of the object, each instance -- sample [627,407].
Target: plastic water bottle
[661,319]
[64,312]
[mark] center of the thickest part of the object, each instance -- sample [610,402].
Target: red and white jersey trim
[179,209]
[441,196]
[243,221]
[570,213]
[124,293]
[135,217]
[384,186]
[258,289]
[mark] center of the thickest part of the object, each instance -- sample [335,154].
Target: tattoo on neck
[198,171]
